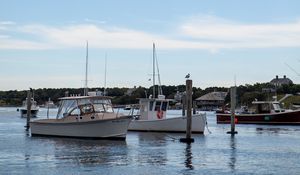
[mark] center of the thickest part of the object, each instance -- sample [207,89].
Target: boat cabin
[267,107]
[83,105]
[153,108]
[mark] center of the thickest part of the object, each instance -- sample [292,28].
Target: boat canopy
[267,106]
[81,105]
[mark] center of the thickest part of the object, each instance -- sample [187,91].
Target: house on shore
[277,82]
[211,101]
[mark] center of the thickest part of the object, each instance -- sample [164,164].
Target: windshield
[66,106]
[102,105]
[276,107]
[83,106]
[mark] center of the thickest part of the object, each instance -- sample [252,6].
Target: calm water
[257,149]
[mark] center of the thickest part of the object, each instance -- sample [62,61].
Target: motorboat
[265,112]
[84,117]
[34,109]
[153,113]
[153,117]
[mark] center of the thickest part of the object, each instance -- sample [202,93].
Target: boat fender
[160,114]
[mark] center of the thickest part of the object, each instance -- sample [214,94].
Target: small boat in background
[50,104]
[84,117]
[127,107]
[265,112]
[34,109]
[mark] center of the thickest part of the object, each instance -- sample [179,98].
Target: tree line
[245,93]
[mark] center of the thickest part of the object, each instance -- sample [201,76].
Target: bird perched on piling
[187,76]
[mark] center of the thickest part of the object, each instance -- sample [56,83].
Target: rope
[206,124]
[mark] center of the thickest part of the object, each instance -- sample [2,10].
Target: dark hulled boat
[265,113]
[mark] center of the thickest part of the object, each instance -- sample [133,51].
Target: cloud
[199,32]
[230,34]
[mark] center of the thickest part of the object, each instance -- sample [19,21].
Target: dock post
[28,109]
[233,104]
[189,101]
[183,99]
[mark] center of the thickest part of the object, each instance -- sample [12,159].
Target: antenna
[85,93]
[104,91]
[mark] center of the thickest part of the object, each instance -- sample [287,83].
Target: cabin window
[66,107]
[276,107]
[99,108]
[88,108]
[108,108]
[157,106]
[263,108]
[75,111]
[164,106]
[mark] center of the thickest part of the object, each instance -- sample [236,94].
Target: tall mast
[104,91]
[153,54]
[86,70]
[158,76]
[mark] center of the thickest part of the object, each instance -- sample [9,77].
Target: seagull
[187,76]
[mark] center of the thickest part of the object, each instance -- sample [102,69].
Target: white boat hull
[97,129]
[176,124]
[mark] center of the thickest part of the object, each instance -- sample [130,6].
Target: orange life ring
[160,114]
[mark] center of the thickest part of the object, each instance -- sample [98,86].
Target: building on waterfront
[277,82]
[211,101]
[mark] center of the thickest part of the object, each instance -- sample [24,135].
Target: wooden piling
[183,104]
[189,103]
[232,109]
[28,109]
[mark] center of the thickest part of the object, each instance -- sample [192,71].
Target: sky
[219,42]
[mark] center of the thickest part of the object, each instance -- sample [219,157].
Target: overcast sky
[43,43]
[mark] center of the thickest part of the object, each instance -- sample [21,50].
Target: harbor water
[256,149]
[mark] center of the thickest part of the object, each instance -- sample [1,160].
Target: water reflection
[271,130]
[232,159]
[90,152]
[188,157]
[153,148]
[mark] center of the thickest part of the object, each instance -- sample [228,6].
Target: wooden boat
[84,117]
[266,112]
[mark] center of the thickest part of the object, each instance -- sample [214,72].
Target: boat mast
[85,93]
[153,54]
[104,91]
[158,76]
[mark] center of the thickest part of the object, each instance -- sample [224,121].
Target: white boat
[84,117]
[153,114]
[34,109]
[50,104]
[153,117]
